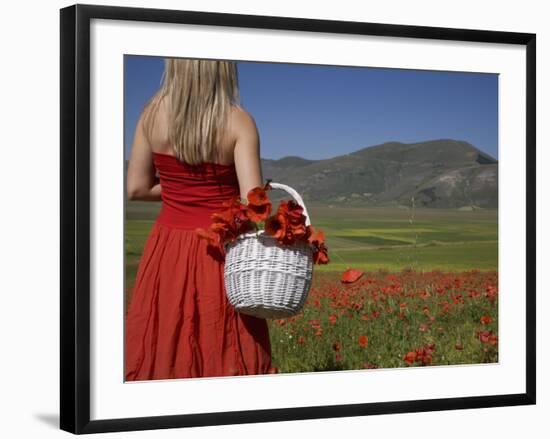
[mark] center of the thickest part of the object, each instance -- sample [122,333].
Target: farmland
[428,294]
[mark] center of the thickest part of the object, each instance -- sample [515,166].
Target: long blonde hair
[199,97]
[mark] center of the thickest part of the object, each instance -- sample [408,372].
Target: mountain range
[442,173]
[436,173]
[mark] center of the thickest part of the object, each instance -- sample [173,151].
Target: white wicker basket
[264,278]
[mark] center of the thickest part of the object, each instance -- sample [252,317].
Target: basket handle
[294,195]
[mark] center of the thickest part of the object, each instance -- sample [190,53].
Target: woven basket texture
[267,279]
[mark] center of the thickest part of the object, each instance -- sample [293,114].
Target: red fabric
[179,322]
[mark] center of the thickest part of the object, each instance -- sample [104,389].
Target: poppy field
[388,319]
[403,288]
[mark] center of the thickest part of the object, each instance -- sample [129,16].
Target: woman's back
[159,138]
[238,149]
[192,193]
[179,323]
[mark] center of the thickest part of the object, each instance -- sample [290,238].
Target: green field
[372,238]
[450,254]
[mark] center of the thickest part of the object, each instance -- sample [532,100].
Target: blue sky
[319,112]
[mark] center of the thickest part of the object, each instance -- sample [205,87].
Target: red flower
[208,234]
[320,251]
[351,275]
[410,357]
[287,225]
[332,318]
[315,323]
[229,222]
[485,320]
[259,206]
[275,226]
[295,228]
[488,337]
[484,336]
[363,341]
[422,355]
[293,211]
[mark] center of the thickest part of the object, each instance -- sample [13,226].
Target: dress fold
[179,322]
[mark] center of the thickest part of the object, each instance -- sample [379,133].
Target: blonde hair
[199,97]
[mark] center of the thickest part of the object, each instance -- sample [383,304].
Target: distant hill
[437,173]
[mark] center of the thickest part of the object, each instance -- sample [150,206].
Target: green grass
[372,238]
[391,311]
[381,241]
[393,238]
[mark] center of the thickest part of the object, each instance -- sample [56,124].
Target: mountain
[437,173]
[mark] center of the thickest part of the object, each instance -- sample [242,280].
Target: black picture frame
[75,217]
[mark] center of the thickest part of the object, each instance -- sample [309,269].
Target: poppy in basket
[259,206]
[276,226]
[295,221]
[287,225]
[320,250]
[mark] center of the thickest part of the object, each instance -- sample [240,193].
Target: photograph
[291,218]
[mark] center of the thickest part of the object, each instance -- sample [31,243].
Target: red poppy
[320,251]
[426,359]
[484,336]
[293,211]
[351,275]
[299,231]
[287,225]
[363,341]
[208,234]
[422,355]
[410,357]
[275,226]
[485,320]
[259,206]
[257,196]
[315,323]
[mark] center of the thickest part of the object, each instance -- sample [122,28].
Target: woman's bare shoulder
[242,122]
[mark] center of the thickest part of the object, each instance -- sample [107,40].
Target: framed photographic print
[278,218]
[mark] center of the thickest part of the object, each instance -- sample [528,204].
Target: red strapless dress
[179,323]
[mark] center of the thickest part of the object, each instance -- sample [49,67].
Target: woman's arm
[247,152]
[141,183]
